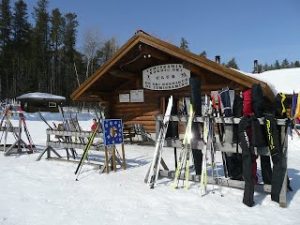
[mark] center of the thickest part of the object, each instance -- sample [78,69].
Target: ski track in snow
[45,193]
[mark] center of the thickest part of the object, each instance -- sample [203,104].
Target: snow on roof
[41,96]
[282,80]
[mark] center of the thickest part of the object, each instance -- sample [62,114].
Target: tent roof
[38,96]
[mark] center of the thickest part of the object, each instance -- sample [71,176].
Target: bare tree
[92,44]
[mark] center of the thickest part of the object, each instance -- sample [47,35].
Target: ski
[29,138]
[217,112]
[187,146]
[85,151]
[44,120]
[67,127]
[185,152]
[206,133]
[152,174]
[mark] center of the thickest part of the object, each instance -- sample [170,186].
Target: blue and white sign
[113,131]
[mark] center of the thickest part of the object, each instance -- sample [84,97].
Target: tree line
[41,55]
[259,68]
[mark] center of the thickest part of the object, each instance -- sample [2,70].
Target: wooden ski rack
[65,140]
[8,128]
[222,181]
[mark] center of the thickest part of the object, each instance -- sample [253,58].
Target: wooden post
[123,156]
[114,158]
[48,151]
[106,160]
[19,135]
[5,137]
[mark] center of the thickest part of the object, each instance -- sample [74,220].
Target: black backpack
[237,108]
[257,100]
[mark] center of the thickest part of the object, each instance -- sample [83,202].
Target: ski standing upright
[153,172]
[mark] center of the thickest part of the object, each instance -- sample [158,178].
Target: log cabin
[121,83]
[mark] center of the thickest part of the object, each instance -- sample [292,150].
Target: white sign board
[124,97]
[166,77]
[137,95]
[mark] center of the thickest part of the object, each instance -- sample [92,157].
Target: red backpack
[247,103]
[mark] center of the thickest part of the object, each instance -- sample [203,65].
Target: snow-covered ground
[46,193]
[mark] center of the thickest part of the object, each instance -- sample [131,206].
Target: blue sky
[255,29]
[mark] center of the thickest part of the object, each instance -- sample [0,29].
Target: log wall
[143,112]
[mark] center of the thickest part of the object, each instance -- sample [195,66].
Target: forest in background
[41,56]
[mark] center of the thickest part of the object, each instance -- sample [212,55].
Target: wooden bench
[128,133]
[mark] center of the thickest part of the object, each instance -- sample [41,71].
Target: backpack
[257,100]
[237,109]
[247,103]
[226,102]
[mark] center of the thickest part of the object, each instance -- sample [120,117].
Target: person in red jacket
[95,125]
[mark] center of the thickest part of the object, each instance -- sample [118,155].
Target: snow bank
[282,80]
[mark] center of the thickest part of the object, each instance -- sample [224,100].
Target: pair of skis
[184,157]
[85,152]
[100,118]
[153,171]
[206,145]
[208,148]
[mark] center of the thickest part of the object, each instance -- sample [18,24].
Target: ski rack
[222,181]
[7,127]
[67,140]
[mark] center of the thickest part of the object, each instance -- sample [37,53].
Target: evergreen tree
[40,49]
[297,63]
[265,67]
[5,23]
[203,54]
[5,47]
[21,26]
[285,64]
[21,44]
[276,65]
[69,53]
[184,44]
[232,64]
[56,41]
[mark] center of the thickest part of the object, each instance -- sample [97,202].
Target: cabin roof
[143,51]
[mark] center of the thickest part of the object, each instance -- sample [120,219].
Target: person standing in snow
[95,125]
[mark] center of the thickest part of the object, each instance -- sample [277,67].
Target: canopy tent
[37,101]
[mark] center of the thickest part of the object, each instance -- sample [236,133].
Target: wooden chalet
[114,83]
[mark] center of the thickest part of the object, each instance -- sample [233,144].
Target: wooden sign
[166,77]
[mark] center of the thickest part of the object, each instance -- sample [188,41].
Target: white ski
[152,173]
